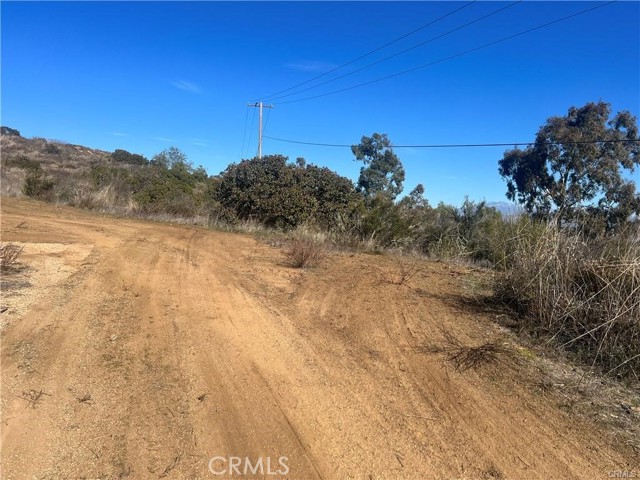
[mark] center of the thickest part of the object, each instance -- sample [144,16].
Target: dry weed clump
[405,268]
[467,357]
[583,295]
[9,253]
[304,252]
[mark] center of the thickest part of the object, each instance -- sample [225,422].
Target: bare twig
[86,398]
[33,397]
[171,466]
[465,357]
[95,454]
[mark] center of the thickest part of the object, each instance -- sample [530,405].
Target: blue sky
[144,76]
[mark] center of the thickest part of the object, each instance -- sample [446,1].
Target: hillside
[62,161]
[51,153]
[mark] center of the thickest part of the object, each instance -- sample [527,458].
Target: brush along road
[134,349]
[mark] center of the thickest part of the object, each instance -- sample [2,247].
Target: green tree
[479,228]
[103,175]
[172,185]
[334,196]
[265,189]
[37,184]
[385,222]
[284,195]
[158,190]
[123,156]
[200,174]
[382,171]
[172,158]
[415,199]
[577,165]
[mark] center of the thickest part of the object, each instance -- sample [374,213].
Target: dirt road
[143,350]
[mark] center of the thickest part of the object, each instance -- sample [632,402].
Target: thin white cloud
[199,144]
[311,66]
[119,134]
[187,86]
[165,139]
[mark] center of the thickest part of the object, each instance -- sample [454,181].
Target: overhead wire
[266,121]
[244,135]
[253,119]
[370,52]
[463,145]
[402,52]
[450,57]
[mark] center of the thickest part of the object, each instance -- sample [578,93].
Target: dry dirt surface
[143,350]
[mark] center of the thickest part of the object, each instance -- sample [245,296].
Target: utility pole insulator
[259,105]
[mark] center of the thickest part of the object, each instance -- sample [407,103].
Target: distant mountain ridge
[507,209]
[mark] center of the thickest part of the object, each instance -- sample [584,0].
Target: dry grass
[9,254]
[79,156]
[11,182]
[466,357]
[304,252]
[581,295]
[405,268]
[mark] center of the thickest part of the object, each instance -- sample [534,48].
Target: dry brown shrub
[581,294]
[466,357]
[304,252]
[9,253]
[405,268]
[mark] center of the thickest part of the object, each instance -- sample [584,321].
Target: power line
[464,145]
[371,52]
[266,122]
[402,52]
[450,57]
[244,135]
[253,119]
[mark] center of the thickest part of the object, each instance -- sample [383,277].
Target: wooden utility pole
[260,105]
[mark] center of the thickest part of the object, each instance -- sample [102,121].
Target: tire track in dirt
[174,345]
[488,426]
